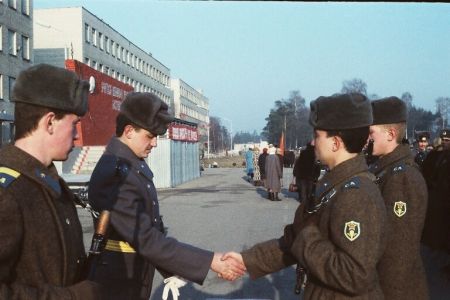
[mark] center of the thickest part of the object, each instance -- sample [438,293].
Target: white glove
[172,284]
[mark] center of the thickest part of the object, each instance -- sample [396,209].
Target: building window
[100,67]
[12,42]
[12,80]
[113,48]
[94,37]
[26,7]
[100,41]
[106,44]
[87,61]
[87,33]
[12,4]
[94,64]
[25,48]
[1,84]
[1,37]
[123,54]
[128,57]
[118,51]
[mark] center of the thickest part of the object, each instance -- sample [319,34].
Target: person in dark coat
[421,151]
[304,172]
[339,237]
[403,187]
[436,232]
[42,241]
[122,183]
[262,164]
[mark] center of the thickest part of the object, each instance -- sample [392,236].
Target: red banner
[182,132]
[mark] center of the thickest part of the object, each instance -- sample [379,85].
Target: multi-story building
[16,36]
[76,33]
[191,105]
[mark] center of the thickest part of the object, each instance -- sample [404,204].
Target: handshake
[229,266]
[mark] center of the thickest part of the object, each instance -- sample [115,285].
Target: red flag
[282,143]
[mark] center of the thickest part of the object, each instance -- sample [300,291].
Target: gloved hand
[172,284]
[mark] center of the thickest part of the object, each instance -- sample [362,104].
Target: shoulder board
[7,176]
[353,183]
[122,168]
[399,168]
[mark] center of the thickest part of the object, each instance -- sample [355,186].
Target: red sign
[99,124]
[183,132]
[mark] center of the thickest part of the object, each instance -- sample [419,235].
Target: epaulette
[353,183]
[7,176]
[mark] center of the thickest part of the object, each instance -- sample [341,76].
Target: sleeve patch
[352,230]
[7,176]
[399,209]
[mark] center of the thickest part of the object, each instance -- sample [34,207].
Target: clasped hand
[229,266]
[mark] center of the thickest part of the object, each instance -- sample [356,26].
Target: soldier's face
[323,146]
[142,142]
[65,133]
[380,137]
[423,145]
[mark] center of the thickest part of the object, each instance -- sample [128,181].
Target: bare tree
[355,85]
[407,98]
[443,109]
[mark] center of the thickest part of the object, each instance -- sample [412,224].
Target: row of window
[16,43]
[104,43]
[193,113]
[11,81]
[192,96]
[24,6]
[138,86]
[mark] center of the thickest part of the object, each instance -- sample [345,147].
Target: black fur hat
[422,136]
[147,111]
[341,111]
[52,87]
[390,110]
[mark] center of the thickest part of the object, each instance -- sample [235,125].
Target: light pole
[231,132]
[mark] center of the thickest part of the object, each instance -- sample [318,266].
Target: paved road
[221,211]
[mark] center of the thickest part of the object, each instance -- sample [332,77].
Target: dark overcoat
[402,275]
[341,247]
[40,233]
[123,183]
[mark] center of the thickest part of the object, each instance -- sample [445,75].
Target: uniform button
[142,166]
[67,221]
[154,203]
[148,185]
[42,175]
[156,220]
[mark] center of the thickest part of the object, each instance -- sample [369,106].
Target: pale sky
[246,55]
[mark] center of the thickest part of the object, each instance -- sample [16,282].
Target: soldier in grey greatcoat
[338,238]
[41,238]
[404,190]
[122,183]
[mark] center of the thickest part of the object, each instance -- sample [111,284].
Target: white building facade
[191,105]
[76,33]
[16,43]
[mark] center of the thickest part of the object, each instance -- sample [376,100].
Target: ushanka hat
[52,87]
[422,136]
[147,111]
[340,111]
[390,110]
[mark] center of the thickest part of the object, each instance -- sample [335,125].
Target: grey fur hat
[52,87]
[390,110]
[340,111]
[147,111]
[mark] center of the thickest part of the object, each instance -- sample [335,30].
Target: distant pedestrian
[257,178]
[305,172]
[273,174]
[262,165]
[249,164]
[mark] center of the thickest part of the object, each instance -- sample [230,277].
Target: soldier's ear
[128,131]
[337,143]
[47,122]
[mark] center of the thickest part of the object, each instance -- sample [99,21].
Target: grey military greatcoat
[123,184]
